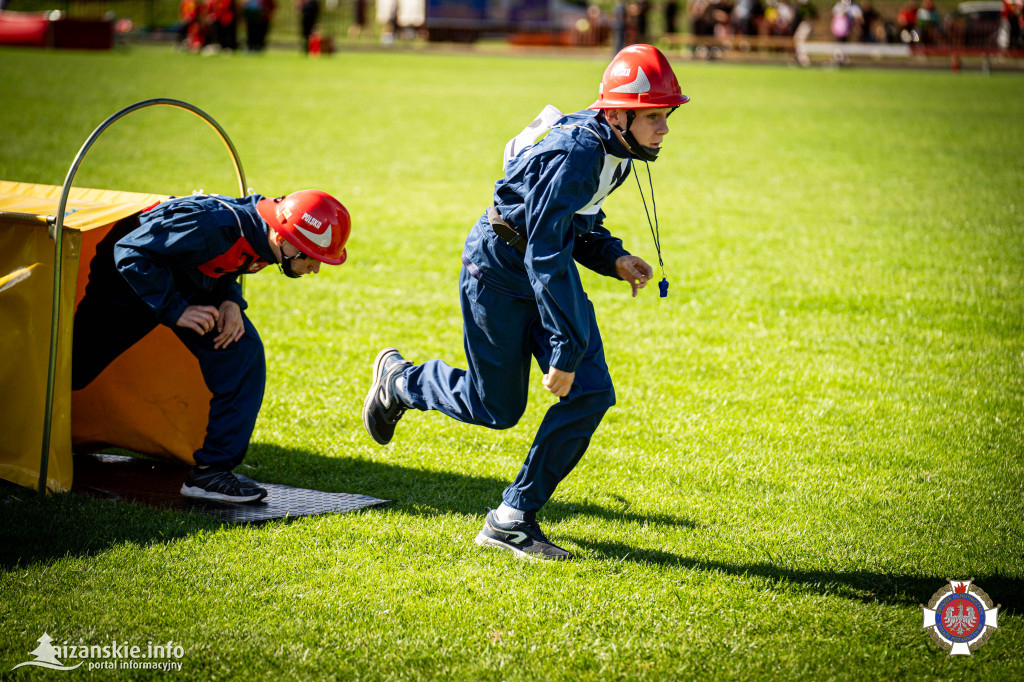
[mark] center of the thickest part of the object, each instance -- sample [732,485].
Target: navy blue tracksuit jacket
[148,268]
[517,307]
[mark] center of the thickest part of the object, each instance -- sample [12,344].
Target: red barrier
[21,28]
[38,30]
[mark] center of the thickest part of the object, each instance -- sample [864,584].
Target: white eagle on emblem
[960,622]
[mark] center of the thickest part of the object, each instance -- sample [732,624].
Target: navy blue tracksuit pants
[111,318]
[502,334]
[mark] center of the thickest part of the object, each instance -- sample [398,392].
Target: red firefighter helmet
[639,77]
[314,222]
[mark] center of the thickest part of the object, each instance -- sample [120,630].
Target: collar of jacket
[594,120]
[255,229]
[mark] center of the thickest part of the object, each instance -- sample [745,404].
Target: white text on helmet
[311,221]
[621,71]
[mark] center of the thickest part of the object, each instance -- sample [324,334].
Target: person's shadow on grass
[419,491]
[865,586]
[37,529]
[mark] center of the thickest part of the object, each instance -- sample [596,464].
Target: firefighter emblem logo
[960,617]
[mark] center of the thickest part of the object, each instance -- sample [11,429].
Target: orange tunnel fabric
[152,399]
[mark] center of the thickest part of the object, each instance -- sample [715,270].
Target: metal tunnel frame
[57,233]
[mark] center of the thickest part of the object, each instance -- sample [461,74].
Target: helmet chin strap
[286,266]
[635,148]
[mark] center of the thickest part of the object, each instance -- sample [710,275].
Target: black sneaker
[221,486]
[382,408]
[525,538]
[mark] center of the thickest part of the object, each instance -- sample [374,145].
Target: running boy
[522,295]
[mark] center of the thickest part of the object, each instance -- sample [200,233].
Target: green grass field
[821,424]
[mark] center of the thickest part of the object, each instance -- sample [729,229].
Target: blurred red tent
[21,28]
[54,29]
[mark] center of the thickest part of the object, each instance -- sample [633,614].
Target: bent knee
[606,398]
[504,417]
[506,420]
[599,399]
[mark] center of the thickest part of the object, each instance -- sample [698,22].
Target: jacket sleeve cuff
[616,254]
[169,315]
[566,361]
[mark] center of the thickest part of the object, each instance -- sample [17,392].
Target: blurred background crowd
[316,25]
[850,20]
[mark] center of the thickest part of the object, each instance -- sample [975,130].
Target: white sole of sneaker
[201,494]
[486,541]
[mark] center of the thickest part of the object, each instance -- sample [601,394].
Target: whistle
[663,287]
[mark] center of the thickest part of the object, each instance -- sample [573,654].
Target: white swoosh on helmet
[321,240]
[639,84]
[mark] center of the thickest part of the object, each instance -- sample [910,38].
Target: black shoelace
[222,480]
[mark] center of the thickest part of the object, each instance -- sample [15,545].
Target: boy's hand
[198,318]
[558,382]
[635,271]
[229,324]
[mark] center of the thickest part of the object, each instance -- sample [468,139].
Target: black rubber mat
[157,484]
